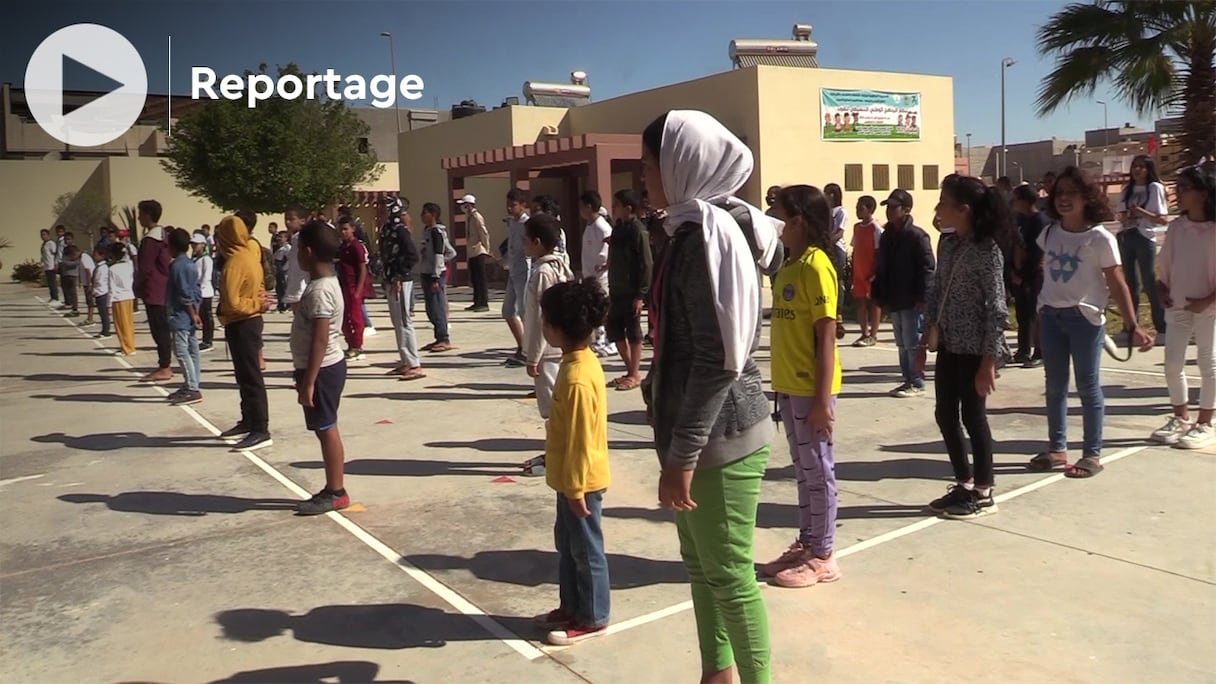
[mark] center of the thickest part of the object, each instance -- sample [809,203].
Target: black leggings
[954,380]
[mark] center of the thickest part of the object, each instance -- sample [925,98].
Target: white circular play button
[98,51]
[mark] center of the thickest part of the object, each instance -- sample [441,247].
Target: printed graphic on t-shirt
[1061,265]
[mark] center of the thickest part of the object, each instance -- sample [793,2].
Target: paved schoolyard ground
[136,548]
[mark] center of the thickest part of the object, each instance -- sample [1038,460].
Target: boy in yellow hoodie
[576,459]
[243,300]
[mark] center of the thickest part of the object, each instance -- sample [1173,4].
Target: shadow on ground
[532,568]
[341,671]
[112,441]
[389,626]
[176,503]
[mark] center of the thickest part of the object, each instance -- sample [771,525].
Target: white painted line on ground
[14,480]
[865,544]
[450,596]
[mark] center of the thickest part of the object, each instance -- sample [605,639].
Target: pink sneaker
[809,573]
[794,556]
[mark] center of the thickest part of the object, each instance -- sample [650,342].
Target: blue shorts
[517,287]
[326,395]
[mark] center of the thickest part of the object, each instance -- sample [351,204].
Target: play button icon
[100,58]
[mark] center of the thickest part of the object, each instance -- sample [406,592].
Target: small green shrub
[29,271]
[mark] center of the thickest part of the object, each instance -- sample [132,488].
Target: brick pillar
[459,229]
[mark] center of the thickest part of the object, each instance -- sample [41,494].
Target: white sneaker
[1198,437]
[369,331]
[1170,432]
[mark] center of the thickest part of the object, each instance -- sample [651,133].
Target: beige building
[775,110]
[36,170]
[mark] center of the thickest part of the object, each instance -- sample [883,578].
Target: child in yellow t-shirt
[576,460]
[806,378]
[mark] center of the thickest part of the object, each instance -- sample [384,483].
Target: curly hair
[576,308]
[812,205]
[1097,207]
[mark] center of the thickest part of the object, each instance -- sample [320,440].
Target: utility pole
[1005,64]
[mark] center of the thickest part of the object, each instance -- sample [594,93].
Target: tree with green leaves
[83,213]
[1157,54]
[265,158]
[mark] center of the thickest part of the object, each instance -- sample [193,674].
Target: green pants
[716,545]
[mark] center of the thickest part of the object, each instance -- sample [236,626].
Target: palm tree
[1158,55]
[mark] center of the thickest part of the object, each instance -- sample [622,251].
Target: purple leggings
[815,467]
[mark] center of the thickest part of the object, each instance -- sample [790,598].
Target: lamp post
[392,54]
[1021,175]
[1105,124]
[1005,64]
[969,154]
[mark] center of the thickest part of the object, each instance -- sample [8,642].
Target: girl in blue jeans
[1081,273]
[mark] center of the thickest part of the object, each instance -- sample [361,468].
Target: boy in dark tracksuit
[630,266]
[903,269]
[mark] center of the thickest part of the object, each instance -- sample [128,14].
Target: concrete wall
[138,178]
[792,151]
[27,191]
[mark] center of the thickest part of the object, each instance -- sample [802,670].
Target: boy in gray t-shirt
[318,360]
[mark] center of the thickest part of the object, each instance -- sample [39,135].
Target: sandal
[535,466]
[399,370]
[1044,462]
[614,382]
[412,374]
[626,384]
[1085,468]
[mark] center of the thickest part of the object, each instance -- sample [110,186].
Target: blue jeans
[52,283]
[1139,255]
[185,346]
[367,318]
[1066,335]
[436,299]
[907,324]
[582,567]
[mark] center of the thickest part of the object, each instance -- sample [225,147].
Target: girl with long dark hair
[1142,207]
[703,393]
[806,378]
[967,307]
[1081,274]
[1187,287]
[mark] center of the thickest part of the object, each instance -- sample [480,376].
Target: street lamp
[1105,124]
[1021,175]
[1005,64]
[392,54]
[969,154]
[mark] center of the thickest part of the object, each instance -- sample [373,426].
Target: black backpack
[743,217]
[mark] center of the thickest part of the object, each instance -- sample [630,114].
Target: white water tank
[547,94]
[794,53]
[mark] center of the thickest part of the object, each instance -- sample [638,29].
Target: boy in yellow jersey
[576,461]
[806,378]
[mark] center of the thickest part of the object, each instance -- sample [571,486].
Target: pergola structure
[593,157]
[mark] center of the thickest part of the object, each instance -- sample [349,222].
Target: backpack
[743,217]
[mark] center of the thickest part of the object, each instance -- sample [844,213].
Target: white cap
[467,199]
[198,239]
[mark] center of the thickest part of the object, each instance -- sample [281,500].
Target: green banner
[869,115]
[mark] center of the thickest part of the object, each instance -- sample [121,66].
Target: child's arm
[642,245]
[316,354]
[362,280]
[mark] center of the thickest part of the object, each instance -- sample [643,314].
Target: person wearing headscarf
[703,393]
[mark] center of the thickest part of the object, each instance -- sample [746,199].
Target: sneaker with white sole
[909,392]
[573,634]
[253,441]
[1198,437]
[809,573]
[1169,433]
[796,554]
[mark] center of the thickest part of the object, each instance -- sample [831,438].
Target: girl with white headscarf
[703,393]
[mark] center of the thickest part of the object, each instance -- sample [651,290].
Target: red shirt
[352,257]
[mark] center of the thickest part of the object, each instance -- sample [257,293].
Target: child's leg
[1205,340]
[1181,324]
[103,311]
[1056,360]
[124,324]
[586,548]
[814,462]
[357,322]
[567,575]
[348,318]
[334,456]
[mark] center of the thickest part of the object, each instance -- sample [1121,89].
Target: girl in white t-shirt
[1187,287]
[1081,273]
[122,297]
[1142,208]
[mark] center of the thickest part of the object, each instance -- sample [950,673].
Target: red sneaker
[554,618]
[573,634]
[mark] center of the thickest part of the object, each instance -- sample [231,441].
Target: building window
[882,176]
[907,176]
[929,177]
[364,147]
[853,181]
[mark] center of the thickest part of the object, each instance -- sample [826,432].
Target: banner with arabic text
[869,115]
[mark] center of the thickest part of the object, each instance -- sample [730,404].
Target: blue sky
[486,50]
